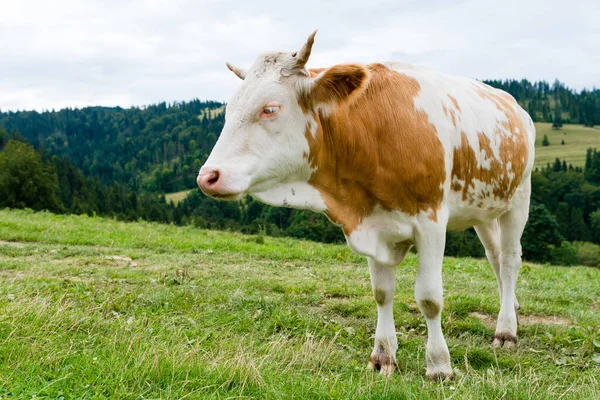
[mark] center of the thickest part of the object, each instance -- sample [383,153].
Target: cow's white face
[263,141]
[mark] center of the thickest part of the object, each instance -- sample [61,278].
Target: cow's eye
[270,111]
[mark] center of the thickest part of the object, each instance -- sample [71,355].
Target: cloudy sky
[74,53]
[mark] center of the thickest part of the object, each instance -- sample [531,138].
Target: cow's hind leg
[512,224]
[430,243]
[383,357]
[489,235]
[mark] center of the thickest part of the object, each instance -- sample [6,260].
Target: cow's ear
[337,85]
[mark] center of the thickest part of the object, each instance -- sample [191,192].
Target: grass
[177,197]
[577,140]
[92,308]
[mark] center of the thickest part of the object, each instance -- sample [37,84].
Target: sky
[76,53]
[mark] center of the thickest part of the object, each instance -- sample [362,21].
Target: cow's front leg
[429,296]
[383,357]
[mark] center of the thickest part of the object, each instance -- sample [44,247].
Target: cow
[395,155]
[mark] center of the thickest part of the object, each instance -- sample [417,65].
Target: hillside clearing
[93,308]
[577,139]
[212,112]
[177,197]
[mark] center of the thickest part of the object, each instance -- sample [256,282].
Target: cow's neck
[342,168]
[380,150]
[296,193]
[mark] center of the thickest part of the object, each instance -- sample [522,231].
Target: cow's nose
[209,181]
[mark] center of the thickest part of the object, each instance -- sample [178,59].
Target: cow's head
[264,139]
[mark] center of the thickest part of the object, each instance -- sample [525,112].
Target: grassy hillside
[578,139]
[93,308]
[177,196]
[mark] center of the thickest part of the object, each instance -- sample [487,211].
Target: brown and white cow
[395,155]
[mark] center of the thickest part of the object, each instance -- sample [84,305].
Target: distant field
[213,112]
[92,308]
[177,196]
[577,139]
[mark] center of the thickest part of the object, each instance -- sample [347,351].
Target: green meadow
[577,138]
[92,308]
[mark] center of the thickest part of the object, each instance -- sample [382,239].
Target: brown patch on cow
[451,113]
[455,102]
[453,116]
[377,150]
[468,166]
[380,296]
[456,186]
[430,308]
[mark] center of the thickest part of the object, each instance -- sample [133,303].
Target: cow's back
[488,140]
[417,141]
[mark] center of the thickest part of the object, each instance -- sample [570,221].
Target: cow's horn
[304,53]
[241,73]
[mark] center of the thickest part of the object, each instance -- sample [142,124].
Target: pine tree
[25,180]
[588,163]
[592,172]
[578,230]
[557,166]
[546,115]
[557,122]
[545,141]
[563,217]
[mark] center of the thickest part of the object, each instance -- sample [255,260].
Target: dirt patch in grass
[14,244]
[543,320]
[487,320]
[490,321]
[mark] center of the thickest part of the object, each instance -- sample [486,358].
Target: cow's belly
[463,214]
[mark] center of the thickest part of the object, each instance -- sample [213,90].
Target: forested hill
[556,102]
[158,148]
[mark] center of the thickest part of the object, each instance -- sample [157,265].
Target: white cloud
[78,53]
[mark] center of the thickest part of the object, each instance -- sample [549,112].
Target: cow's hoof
[504,339]
[440,375]
[383,363]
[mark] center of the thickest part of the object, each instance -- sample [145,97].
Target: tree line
[554,103]
[157,148]
[563,227]
[119,163]
[160,147]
